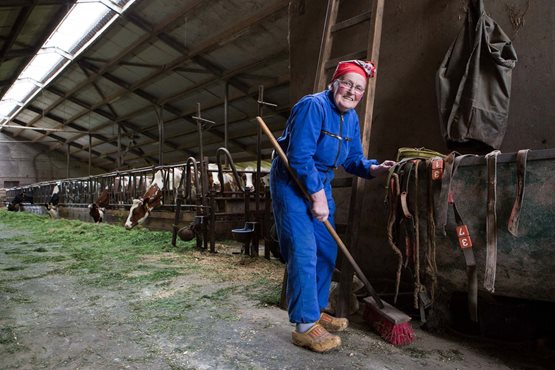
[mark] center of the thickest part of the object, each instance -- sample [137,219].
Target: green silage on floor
[100,253]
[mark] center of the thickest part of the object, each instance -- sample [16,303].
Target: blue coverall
[318,139]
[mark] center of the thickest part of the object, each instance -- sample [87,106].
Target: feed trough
[244,235]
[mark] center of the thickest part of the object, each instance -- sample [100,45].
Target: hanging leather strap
[407,223]
[406,172]
[491,222]
[417,283]
[431,266]
[392,197]
[441,197]
[465,243]
[514,218]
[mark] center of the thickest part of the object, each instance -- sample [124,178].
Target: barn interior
[140,86]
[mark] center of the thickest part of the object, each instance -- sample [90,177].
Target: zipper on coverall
[340,140]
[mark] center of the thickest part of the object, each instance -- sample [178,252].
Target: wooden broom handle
[330,228]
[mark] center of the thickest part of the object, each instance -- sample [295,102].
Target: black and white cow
[15,204]
[52,205]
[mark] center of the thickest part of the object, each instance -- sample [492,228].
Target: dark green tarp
[474,82]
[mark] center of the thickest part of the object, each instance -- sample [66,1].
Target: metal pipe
[44,129]
[159,111]
[67,161]
[226,112]
[258,149]
[119,147]
[90,152]
[204,170]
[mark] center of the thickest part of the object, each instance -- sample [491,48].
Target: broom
[389,322]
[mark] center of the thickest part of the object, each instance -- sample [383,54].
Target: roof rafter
[205,46]
[173,20]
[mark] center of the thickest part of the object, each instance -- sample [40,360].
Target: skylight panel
[7,107]
[81,19]
[82,25]
[20,90]
[42,65]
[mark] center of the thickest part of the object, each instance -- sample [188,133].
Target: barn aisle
[77,295]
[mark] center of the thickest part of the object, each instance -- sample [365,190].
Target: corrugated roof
[155,63]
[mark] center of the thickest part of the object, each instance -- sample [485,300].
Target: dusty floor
[191,316]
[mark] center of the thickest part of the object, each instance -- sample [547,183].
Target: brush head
[388,312]
[390,323]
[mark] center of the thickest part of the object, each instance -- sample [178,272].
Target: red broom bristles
[397,334]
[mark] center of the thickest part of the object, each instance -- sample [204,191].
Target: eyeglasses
[346,84]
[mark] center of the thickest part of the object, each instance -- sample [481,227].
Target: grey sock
[303,327]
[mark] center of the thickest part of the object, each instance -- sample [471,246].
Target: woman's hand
[381,169]
[320,208]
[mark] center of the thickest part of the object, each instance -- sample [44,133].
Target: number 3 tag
[464,237]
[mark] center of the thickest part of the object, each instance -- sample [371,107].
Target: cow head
[14,207]
[141,208]
[52,210]
[103,199]
[96,212]
[52,205]
[250,178]
[98,208]
[15,204]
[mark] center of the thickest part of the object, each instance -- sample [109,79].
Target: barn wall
[416,35]
[31,163]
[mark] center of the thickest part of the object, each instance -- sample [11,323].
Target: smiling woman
[348,91]
[322,134]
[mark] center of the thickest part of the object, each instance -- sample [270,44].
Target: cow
[97,209]
[152,198]
[249,178]
[15,204]
[52,205]
[230,184]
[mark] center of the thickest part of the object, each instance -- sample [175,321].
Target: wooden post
[357,192]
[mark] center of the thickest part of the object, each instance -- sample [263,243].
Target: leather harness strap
[392,196]
[407,223]
[418,288]
[491,223]
[431,265]
[465,244]
[441,197]
[514,218]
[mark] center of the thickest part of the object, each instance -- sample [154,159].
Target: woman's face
[348,91]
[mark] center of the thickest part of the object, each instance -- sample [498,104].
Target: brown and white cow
[152,198]
[98,208]
[230,184]
[249,178]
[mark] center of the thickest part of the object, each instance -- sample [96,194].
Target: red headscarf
[365,69]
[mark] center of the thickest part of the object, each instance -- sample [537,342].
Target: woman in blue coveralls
[322,134]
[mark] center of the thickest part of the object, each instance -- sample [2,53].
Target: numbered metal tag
[464,237]
[437,168]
